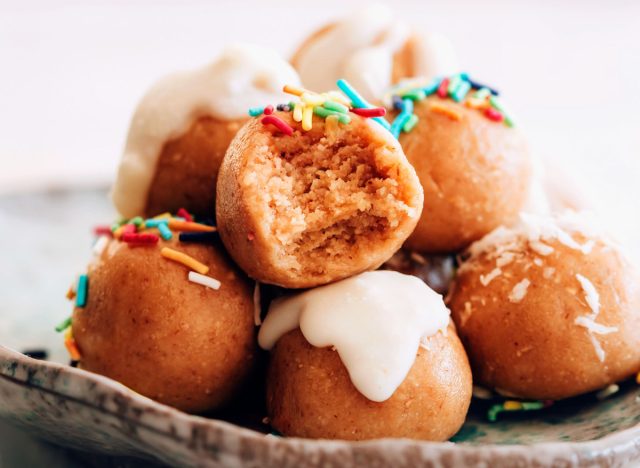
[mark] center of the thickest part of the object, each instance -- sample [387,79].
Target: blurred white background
[72,73]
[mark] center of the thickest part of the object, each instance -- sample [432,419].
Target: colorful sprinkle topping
[513,406]
[333,106]
[459,88]
[185,259]
[146,233]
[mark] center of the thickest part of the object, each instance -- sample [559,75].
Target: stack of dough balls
[548,309]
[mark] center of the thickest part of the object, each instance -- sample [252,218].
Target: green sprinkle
[324,113]
[256,111]
[497,104]
[492,414]
[64,325]
[461,91]
[292,105]
[432,87]
[137,221]
[454,82]
[117,224]
[417,94]
[482,93]
[81,294]
[408,126]
[336,106]
[532,405]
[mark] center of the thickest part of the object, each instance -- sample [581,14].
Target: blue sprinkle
[407,106]
[151,223]
[165,232]
[204,237]
[476,85]
[397,102]
[432,87]
[358,101]
[81,293]
[256,111]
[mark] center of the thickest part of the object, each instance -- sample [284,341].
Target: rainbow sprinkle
[185,259]
[516,406]
[457,87]
[333,106]
[82,290]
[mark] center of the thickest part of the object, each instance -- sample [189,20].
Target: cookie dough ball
[172,340]
[372,50]
[475,173]
[548,309]
[310,394]
[316,206]
[368,357]
[183,125]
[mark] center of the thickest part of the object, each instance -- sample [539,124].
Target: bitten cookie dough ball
[316,206]
[548,309]
[372,50]
[369,357]
[475,173]
[182,127]
[180,343]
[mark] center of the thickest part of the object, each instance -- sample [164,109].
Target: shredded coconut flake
[541,248]
[548,272]
[485,280]
[519,291]
[594,327]
[590,294]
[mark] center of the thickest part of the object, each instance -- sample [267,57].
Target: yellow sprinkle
[307,118]
[313,99]
[295,90]
[163,216]
[510,405]
[185,259]
[70,344]
[476,103]
[445,110]
[338,97]
[297,112]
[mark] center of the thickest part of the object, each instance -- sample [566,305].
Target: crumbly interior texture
[328,195]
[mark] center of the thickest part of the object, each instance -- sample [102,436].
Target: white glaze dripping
[361,47]
[243,76]
[375,321]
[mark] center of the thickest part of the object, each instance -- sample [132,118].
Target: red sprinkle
[139,239]
[251,236]
[127,229]
[494,114]
[443,89]
[268,110]
[278,123]
[370,112]
[103,231]
[185,214]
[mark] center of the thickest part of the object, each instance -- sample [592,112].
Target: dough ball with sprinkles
[548,309]
[171,319]
[475,168]
[317,194]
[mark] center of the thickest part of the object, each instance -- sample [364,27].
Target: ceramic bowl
[91,412]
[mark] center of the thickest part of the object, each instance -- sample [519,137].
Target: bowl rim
[623,445]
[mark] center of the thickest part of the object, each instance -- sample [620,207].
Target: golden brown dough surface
[304,210]
[169,339]
[310,394]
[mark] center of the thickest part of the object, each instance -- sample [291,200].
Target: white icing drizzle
[519,291]
[360,49]
[243,76]
[588,321]
[375,321]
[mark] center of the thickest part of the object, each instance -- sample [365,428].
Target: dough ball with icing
[548,309]
[369,357]
[475,174]
[372,50]
[316,206]
[182,127]
[146,325]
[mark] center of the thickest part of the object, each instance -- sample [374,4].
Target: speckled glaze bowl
[83,410]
